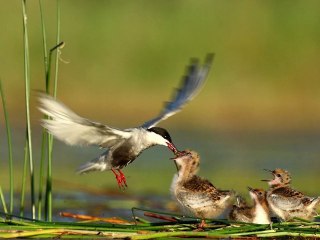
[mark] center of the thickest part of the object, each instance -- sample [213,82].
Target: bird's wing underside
[72,129]
[191,84]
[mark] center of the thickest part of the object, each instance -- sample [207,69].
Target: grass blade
[9,142]
[50,137]
[3,201]
[24,177]
[27,102]
[44,133]
[55,83]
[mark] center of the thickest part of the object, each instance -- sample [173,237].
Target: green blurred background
[260,107]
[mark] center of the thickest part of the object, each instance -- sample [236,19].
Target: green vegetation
[28,155]
[9,142]
[178,226]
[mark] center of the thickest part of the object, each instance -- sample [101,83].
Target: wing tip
[209,58]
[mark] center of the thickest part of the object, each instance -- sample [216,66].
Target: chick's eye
[278,175]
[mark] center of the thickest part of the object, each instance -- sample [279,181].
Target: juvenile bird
[123,146]
[259,213]
[286,202]
[195,195]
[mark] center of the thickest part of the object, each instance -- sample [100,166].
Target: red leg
[121,179]
[201,225]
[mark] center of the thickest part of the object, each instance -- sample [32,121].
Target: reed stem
[9,142]
[44,133]
[24,177]
[27,102]
[3,201]
[48,205]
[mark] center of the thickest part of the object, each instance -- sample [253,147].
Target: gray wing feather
[191,85]
[194,200]
[72,129]
[285,203]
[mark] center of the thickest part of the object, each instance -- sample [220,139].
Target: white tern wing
[72,129]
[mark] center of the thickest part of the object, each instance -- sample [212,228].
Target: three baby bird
[200,198]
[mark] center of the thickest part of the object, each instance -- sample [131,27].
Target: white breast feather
[261,216]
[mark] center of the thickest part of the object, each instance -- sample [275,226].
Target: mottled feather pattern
[286,202]
[287,192]
[287,198]
[196,184]
[241,214]
[197,195]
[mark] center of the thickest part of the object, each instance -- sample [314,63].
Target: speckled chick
[259,213]
[195,195]
[286,202]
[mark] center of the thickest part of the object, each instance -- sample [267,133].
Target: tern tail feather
[97,164]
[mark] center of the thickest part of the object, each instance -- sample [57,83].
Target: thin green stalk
[41,167]
[55,83]
[289,234]
[44,41]
[175,234]
[24,177]
[3,201]
[8,129]
[44,134]
[50,137]
[27,101]
[48,202]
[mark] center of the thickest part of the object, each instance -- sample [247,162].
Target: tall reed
[44,133]
[27,103]
[4,205]
[24,178]
[47,139]
[9,143]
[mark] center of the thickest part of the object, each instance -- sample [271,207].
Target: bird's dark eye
[278,175]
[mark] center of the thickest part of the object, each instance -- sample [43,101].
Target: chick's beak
[267,180]
[250,189]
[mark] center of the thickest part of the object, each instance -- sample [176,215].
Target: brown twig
[112,220]
[158,216]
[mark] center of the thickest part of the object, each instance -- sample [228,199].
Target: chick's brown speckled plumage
[288,203]
[195,195]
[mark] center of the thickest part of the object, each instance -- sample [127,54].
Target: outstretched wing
[191,84]
[72,129]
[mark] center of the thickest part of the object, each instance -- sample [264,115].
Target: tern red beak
[172,147]
[179,154]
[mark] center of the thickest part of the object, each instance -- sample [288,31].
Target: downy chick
[259,213]
[286,202]
[195,195]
